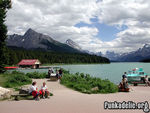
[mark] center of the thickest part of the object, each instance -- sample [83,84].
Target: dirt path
[68,101]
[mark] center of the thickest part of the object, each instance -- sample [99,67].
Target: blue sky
[106,32]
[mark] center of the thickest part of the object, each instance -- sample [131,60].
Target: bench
[136,83]
[16,96]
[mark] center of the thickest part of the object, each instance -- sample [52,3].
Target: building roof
[29,62]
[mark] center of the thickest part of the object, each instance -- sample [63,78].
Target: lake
[112,71]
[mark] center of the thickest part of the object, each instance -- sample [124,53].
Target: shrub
[85,83]
[65,71]
[37,75]
[17,80]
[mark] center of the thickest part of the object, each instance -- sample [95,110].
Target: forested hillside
[15,55]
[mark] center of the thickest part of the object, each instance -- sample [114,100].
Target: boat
[136,75]
[11,68]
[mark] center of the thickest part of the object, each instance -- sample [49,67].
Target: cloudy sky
[96,25]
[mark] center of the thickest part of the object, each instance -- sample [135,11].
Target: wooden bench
[136,83]
[16,96]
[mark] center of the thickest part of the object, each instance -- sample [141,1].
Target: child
[44,92]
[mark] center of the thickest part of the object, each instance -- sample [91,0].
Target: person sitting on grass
[44,91]
[34,91]
[123,86]
[146,80]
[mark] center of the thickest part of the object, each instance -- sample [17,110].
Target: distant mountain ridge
[134,56]
[112,55]
[34,40]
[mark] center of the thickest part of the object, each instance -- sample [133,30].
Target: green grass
[87,84]
[15,79]
[2,79]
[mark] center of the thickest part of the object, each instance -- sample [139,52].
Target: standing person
[124,76]
[44,91]
[60,73]
[146,80]
[34,91]
[57,73]
[50,71]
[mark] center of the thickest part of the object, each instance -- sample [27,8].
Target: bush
[17,80]
[37,75]
[65,71]
[86,84]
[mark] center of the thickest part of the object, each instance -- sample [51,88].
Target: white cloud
[58,18]
[132,13]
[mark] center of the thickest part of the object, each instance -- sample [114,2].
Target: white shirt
[146,78]
[32,88]
[44,87]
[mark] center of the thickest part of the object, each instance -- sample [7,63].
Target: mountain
[34,40]
[99,54]
[136,56]
[141,54]
[73,44]
[112,55]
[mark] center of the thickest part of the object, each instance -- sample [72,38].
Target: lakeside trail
[69,101]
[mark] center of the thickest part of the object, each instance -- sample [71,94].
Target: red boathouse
[29,63]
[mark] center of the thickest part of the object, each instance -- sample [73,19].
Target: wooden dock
[47,67]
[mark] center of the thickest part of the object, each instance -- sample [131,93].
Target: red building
[29,63]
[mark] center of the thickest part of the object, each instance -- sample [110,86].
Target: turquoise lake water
[112,71]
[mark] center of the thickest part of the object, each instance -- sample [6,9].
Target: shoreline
[57,64]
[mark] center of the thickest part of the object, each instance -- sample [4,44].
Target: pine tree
[4,6]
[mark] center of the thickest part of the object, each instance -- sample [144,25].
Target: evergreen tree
[4,6]
[53,57]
